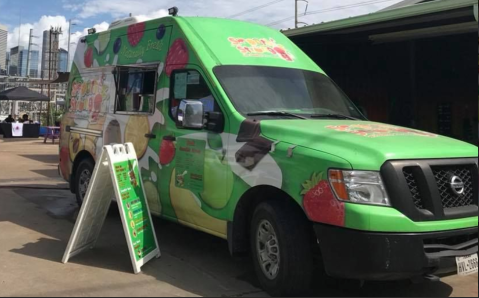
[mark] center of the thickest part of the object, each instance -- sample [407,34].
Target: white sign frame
[103,187]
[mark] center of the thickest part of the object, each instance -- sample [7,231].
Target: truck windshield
[274,91]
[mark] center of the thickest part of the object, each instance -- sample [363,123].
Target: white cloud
[153,15]
[110,10]
[116,9]
[225,8]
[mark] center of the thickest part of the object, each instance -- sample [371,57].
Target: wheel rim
[267,249]
[83,183]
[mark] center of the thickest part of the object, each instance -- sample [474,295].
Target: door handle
[224,154]
[150,136]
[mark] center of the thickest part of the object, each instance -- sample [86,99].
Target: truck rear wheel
[82,179]
[281,249]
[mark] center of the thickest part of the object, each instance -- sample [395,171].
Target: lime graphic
[152,197]
[219,181]
[103,41]
[75,145]
[188,209]
[135,132]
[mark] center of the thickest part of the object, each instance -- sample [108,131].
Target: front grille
[423,189]
[450,199]
[413,187]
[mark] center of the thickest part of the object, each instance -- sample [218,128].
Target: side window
[136,90]
[190,85]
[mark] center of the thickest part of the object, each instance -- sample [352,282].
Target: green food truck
[241,135]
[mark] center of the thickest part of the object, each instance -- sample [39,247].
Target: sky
[22,15]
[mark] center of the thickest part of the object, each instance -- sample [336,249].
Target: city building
[34,57]
[7,63]
[62,60]
[3,47]
[15,66]
[19,61]
[50,53]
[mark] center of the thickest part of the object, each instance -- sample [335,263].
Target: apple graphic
[218,181]
[188,210]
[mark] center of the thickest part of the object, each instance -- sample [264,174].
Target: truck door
[195,177]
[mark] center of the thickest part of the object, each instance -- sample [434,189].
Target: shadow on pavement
[45,158]
[52,174]
[17,140]
[191,260]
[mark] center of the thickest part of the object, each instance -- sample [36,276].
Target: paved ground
[36,222]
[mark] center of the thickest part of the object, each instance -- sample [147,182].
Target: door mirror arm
[215,121]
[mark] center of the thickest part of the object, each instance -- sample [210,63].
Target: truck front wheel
[281,248]
[82,179]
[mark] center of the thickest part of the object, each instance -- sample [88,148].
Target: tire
[280,235]
[82,179]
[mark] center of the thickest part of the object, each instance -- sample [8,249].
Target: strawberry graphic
[135,33]
[88,58]
[283,54]
[320,202]
[177,56]
[167,151]
[64,160]
[97,103]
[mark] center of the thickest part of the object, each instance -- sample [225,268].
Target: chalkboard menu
[444,113]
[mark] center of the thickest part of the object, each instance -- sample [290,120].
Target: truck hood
[366,145]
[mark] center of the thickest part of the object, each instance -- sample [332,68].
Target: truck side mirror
[190,114]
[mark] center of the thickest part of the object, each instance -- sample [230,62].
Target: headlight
[363,187]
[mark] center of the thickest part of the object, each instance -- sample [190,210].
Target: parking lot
[37,214]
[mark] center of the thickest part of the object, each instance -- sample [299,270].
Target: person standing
[9,119]
[25,119]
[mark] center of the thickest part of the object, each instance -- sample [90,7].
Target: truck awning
[62,78]
[460,13]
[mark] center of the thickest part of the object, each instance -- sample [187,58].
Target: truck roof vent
[123,22]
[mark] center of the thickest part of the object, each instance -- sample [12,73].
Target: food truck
[241,135]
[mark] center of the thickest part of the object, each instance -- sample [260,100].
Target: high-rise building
[15,61]
[50,51]
[7,62]
[34,61]
[62,60]
[3,46]
[19,61]
[33,71]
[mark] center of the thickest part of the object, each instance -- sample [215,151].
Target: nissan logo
[457,185]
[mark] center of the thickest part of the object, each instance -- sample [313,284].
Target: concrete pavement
[36,222]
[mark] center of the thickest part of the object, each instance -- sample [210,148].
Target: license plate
[467,265]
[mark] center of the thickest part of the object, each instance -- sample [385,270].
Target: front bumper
[353,254]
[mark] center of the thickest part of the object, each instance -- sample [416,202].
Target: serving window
[136,90]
